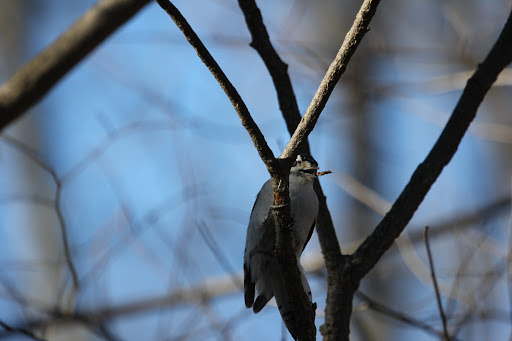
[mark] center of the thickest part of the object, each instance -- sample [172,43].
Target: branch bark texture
[33,81]
[241,109]
[331,78]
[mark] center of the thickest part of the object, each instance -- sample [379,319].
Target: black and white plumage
[262,275]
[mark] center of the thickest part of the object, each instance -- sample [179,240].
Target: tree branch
[241,109]
[337,68]
[36,78]
[277,69]
[289,109]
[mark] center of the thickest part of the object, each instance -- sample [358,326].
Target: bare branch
[56,204]
[19,330]
[289,109]
[241,109]
[277,69]
[436,287]
[378,307]
[37,77]
[337,68]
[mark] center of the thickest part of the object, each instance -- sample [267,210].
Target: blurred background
[138,159]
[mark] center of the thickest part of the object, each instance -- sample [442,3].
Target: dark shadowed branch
[30,83]
[397,315]
[56,203]
[241,109]
[277,69]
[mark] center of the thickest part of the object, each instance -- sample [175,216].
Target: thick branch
[337,68]
[36,78]
[243,113]
[427,172]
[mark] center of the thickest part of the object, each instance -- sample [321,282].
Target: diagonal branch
[36,78]
[331,78]
[277,69]
[241,109]
[428,171]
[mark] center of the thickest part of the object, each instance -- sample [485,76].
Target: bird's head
[304,166]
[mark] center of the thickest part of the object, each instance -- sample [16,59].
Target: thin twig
[32,155]
[38,76]
[436,287]
[243,113]
[397,315]
[217,252]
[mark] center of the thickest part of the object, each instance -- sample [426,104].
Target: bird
[262,274]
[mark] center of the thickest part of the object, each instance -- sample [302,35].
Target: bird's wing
[260,237]
[309,235]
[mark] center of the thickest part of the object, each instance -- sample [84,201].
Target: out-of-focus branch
[19,330]
[37,77]
[56,203]
[436,287]
[372,304]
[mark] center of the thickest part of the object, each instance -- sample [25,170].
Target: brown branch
[27,151]
[241,109]
[337,68]
[19,330]
[436,287]
[37,77]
